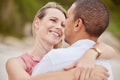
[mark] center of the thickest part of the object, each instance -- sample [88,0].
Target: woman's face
[50,27]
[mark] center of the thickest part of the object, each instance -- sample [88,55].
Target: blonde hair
[42,12]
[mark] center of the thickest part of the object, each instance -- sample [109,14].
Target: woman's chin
[54,42]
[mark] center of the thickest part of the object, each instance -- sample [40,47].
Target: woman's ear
[36,26]
[36,23]
[78,24]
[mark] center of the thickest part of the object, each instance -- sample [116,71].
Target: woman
[48,30]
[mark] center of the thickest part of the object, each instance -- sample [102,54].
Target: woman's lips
[56,33]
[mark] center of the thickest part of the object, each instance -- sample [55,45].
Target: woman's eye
[53,20]
[63,24]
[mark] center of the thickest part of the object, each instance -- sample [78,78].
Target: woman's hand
[84,65]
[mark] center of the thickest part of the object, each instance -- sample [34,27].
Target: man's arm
[86,63]
[98,73]
[60,75]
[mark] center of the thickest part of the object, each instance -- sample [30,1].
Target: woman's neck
[41,48]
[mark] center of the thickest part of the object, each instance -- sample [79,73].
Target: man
[87,20]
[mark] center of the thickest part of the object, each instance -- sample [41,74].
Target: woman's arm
[107,52]
[16,69]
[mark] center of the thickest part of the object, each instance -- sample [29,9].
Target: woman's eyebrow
[55,17]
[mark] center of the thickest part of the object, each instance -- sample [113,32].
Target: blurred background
[16,36]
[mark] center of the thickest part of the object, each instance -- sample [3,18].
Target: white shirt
[58,59]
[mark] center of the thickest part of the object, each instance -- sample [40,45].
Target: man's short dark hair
[94,14]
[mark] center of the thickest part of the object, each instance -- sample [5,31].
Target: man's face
[69,24]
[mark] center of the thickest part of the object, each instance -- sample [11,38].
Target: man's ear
[78,24]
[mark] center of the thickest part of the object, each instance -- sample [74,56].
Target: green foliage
[114,7]
[15,13]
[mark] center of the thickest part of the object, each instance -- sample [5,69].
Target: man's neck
[81,37]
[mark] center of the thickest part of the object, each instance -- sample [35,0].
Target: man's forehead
[71,9]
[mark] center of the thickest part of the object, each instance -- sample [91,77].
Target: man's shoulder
[102,62]
[57,50]
[70,52]
[66,50]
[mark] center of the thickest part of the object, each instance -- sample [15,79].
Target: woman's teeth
[54,33]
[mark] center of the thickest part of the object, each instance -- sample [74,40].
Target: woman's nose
[59,26]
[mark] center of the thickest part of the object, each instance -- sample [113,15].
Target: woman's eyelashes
[53,20]
[56,21]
